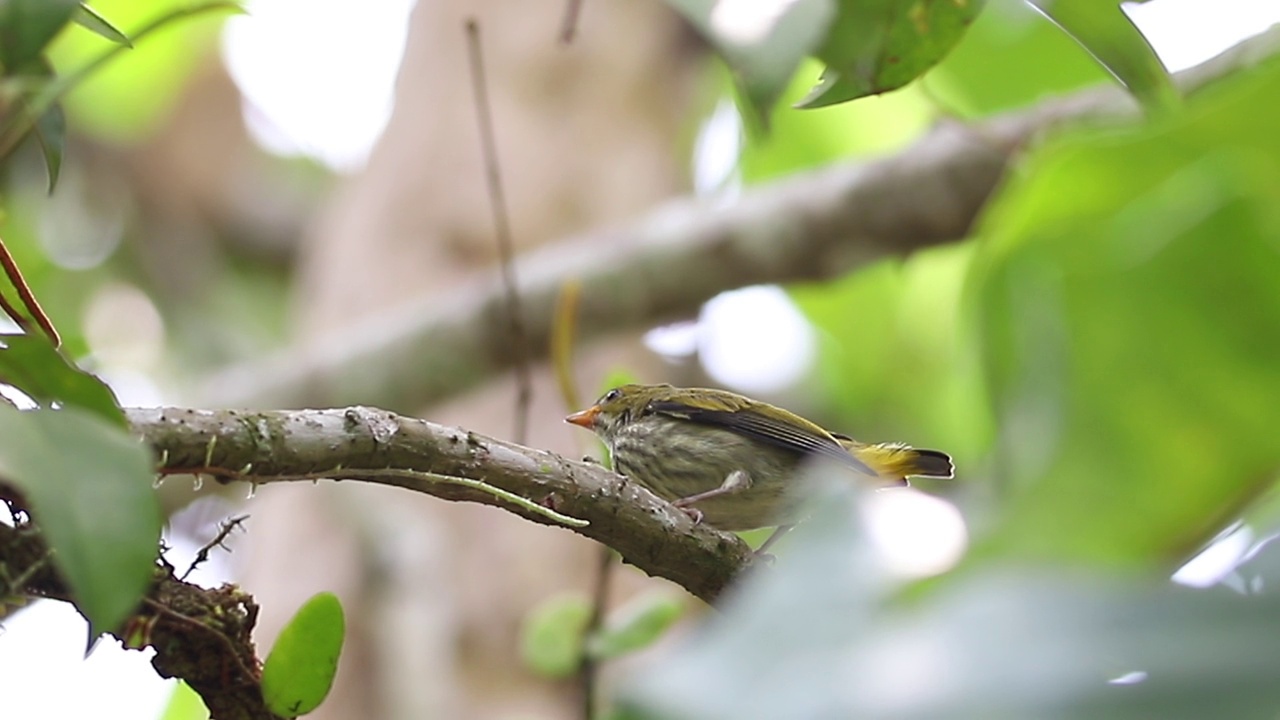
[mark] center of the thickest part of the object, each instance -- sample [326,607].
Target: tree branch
[809,226]
[360,443]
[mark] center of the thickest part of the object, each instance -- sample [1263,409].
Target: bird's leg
[734,482]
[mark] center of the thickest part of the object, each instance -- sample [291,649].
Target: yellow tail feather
[897,462]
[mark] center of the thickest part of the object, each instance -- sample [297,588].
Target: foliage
[830,634]
[1116,315]
[89,485]
[30,90]
[554,637]
[1101,358]
[869,47]
[300,669]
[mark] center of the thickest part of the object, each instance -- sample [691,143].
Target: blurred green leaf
[1012,56]
[91,20]
[805,140]
[27,26]
[31,364]
[128,95]
[185,704]
[878,45]
[552,634]
[826,635]
[762,41]
[1111,37]
[1128,290]
[893,362]
[89,484]
[636,625]
[51,132]
[299,672]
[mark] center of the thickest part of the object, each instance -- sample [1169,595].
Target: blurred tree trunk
[587,134]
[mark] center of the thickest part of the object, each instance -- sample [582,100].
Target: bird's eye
[610,396]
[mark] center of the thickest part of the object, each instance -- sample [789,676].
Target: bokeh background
[1102,357]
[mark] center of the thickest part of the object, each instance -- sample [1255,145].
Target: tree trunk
[587,134]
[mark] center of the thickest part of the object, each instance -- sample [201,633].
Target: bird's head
[617,407]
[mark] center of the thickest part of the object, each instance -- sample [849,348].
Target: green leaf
[51,133]
[89,484]
[762,41]
[185,704]
[1112,39]
[1127,287]
[27,26]
[874,46]
[49,127]
[551,636]
[636,625]
[892,357]
[91,20]
[300,669]
[31,364]
[1012,56]
[41,100]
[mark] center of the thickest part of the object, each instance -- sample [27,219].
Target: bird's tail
[897,462]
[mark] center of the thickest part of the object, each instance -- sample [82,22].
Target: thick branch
[360,443]
[809,226]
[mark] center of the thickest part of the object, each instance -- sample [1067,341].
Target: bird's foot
[694,513]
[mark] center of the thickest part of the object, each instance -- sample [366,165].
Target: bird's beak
[584,418]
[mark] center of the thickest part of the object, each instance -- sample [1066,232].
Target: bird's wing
[751,423]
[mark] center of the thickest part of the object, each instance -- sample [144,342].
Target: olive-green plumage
[742,454]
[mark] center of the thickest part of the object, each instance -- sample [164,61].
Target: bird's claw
[694,513]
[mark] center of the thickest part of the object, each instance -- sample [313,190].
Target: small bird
[729,460]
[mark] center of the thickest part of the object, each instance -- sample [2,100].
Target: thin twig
[224,529]
[225,475]
[588,669]
[12,312]
[521,502]
[563,328]
[569,22]
[562,336]
[16,586]
[28,298]
[502,224]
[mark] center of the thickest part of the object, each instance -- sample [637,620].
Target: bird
[731,461]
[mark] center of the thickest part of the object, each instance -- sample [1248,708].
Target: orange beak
[584,418]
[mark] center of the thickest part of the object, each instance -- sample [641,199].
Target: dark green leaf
[89,484]
[1111,37]
[635,626]
[90,19]
[27,26]
[300,669]
[15,128]
[878,45]
[31,364]
[763,42]
[551,635]
[51,133]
